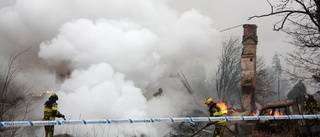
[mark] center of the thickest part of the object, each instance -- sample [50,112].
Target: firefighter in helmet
[215,111]
[311,105]
[50,114]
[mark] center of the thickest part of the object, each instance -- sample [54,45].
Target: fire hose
[231,131]
[195,133]
[153,120]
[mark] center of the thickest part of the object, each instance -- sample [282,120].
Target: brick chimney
[248,67]
[249,30]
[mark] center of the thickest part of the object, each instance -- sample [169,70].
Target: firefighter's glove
[209,124]
[61,116]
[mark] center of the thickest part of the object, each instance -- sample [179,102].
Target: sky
[118,52]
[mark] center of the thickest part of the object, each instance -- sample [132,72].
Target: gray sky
[119,50]
[230,13]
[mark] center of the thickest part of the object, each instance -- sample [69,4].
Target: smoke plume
[102,57]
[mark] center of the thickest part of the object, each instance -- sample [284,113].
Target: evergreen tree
[277,74]
[298,90]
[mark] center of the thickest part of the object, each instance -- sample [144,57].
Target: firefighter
[311,105]
[50,114]
[215,111]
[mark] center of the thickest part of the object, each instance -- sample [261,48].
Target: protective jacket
[214,111]
[311,105]
[51,110]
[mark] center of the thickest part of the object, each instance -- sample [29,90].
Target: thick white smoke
[115,50]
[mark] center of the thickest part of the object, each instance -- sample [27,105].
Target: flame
[268,113]
[223,107]
[276,113]
[36,95]
[253,114]
[234,111]
[48,92]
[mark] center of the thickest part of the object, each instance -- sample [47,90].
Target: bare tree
[13,105]
[300,19]
[264,80]
[228,78]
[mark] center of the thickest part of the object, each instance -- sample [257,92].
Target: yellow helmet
[209,100]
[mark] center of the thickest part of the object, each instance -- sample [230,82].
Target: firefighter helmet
[209,101]
[54,96]
[311,96]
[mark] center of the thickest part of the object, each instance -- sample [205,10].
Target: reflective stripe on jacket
[311,105]
[214,112]
[50,111]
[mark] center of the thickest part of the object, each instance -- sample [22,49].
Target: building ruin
[248,67]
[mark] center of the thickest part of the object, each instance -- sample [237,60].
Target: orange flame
[49,91]
[223,107]
[234,111]
[278,114]
[36,95]
[275,113]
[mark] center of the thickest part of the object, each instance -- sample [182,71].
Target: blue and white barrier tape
[154,120]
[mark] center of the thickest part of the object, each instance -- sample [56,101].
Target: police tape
[154,120]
